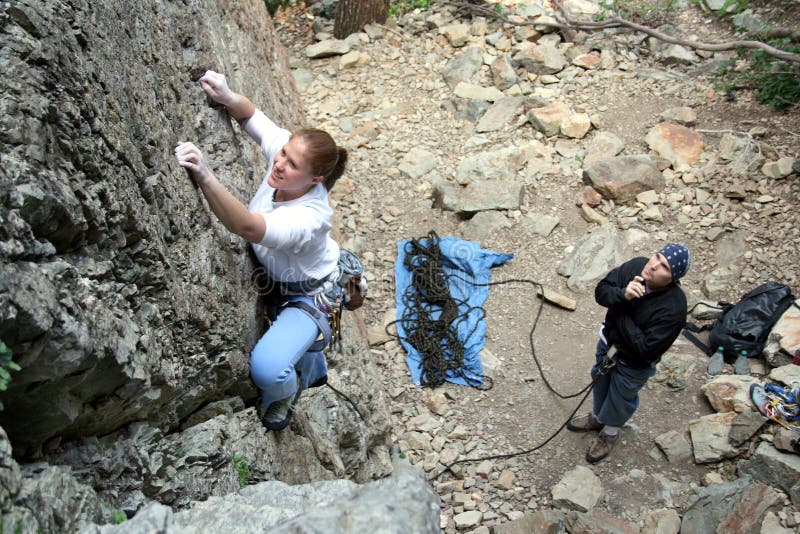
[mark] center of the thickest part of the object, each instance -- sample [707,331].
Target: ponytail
[338,169]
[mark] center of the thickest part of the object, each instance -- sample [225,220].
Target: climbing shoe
[278,415]
[584,423]
[715,365]
[601,447]
[742,365]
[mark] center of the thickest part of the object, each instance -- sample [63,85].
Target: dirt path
[400,101]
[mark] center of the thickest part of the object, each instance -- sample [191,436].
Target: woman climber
[288,224]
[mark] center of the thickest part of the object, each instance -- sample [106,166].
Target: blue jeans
[283,351]
[616,393]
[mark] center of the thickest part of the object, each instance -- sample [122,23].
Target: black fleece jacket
[641,329]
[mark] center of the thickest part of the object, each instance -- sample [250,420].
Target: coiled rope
[431,319]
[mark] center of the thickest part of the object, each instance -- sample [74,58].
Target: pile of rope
[431,320]
[432,317]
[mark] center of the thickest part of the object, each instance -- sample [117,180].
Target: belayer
[646,312]
[288,224]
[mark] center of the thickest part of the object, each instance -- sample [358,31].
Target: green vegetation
[242,466]
[180,452]
[776,83]
[398,8]
[728,472]
[641,11]
[118,516]
[6,365]
[734,6]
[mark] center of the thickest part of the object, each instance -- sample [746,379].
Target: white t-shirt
[297,245]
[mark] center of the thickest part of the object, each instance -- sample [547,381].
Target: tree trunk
[353,15]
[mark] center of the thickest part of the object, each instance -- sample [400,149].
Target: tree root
[570,23]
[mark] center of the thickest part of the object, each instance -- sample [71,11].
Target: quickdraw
[783,405]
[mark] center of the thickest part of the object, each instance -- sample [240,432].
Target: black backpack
[743,327]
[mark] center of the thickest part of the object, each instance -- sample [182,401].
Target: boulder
[404,502]
[775,468]
[592,257]
[679,144]
[729,393]
[579,489]
[500,114]
[482,195]
[463,66]
[710,441]
[327,48]
[787,329]
[547,119]
[621,178]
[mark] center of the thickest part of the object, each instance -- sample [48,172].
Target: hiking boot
[584,423]
[715,365]
[601,447]
[742,365]
[278,415]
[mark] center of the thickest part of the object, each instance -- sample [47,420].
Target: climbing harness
[330,294]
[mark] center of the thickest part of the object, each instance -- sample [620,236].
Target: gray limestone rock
[742,152]
[540,224]
[775,468]
[501,165]
[417,162]
[10,477]
[712,506]
[579,489]
[545,521]
[540,59]
[463,66]
[479,195]
[327,48]
[621,178]
[592,257]
[717,282]
[750,22]
[744,426]
[710,442]
[674,446]
[104,318]
[404,502]
[599,521]
[503,73]
[485,224]
[58,501]
[500,114]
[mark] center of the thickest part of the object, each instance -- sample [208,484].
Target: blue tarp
[467,260]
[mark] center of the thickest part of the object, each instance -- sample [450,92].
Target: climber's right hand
[215,86]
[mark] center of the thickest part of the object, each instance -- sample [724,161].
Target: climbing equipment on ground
[432,285]
[779,403]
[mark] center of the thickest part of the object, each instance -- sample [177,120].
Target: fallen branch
[618,22]
[777,33]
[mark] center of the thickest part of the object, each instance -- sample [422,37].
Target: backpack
[742,328]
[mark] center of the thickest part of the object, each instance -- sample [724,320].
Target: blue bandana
[678,258]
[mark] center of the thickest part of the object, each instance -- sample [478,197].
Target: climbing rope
[431,319]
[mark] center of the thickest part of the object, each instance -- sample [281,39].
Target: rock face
[401,503]
[121,296]
[111,248]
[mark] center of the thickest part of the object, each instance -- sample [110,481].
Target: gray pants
[616,393]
